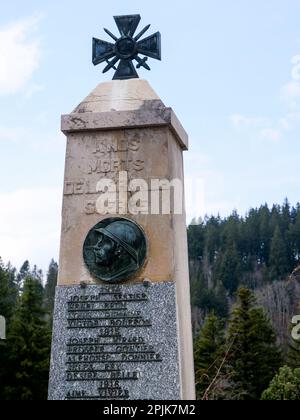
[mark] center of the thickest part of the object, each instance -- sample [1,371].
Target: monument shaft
[122,339]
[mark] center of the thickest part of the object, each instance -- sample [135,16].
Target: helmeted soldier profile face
[105,251]
[115,249]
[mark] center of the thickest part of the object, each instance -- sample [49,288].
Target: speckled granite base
[115,343]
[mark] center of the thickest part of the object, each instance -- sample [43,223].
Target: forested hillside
[245,290]
[259,251]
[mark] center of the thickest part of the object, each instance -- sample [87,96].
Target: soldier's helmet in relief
[127,235]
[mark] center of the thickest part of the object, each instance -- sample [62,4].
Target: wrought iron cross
[127,48]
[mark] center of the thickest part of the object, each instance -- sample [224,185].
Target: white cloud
[290,120]
[32,89]
[296,67]
[291,90]
[204,188]
[29,225]
[271,134]
[19,54]
[243,121]
[285,123]
[261,126]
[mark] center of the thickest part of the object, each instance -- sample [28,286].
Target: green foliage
[284,386]
[279,264]
[23,273]
[195,240]
[254,355]
[49,294]
[8,292]
[228,272]
[294,354]
[8,302]
[27,350]
[208,351]
[263,246]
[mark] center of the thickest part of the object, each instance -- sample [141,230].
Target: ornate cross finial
[127,48]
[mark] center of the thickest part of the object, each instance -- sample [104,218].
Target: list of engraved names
[104,349]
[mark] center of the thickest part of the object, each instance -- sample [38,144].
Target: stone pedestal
[130,340]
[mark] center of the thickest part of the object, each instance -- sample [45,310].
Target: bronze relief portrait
[115,250]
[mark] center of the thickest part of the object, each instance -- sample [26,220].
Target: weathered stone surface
[117,95]
[153,116]
[153,337]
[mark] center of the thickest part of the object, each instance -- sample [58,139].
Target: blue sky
[230,71]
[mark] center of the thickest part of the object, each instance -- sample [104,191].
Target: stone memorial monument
[122,321]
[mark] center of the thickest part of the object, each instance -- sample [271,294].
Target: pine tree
[8,296]
[23,273]
[294,234]
[279,264]
[229,270]
[212,237]
[208,350]
[284,386]
[8,293]
[49,295]
[265,234]
[28,347]
[293,356]
[255,357]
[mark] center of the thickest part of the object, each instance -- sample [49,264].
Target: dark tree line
[262,247]
[27,306]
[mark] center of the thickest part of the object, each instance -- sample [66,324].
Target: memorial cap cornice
[100,121]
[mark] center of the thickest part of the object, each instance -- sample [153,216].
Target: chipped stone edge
[101,121]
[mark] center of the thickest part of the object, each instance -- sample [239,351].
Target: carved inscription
[104,349]
[113,155]
[107,157]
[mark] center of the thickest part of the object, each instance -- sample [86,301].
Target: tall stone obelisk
[122,321]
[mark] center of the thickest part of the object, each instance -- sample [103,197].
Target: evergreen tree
[198,289]
[28,347]
[213,301]
[265,234]
[284,386]
[279,264]
[229,270]
[8,296]
[23,273]
[255,357]
[293,356]
[196,240]
[49,295]
[208,350]
[8,293]
[212,237]
[37,274]
[231,230]
[294,235]
[249,238]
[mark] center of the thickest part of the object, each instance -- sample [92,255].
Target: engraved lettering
[100,358]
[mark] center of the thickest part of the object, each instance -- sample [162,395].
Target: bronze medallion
[115,250]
